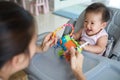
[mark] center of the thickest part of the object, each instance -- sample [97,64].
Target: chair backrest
[113,28]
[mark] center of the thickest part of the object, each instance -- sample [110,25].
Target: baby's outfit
[93,39]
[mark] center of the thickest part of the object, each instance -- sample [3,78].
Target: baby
[95,20]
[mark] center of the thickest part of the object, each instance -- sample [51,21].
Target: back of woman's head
[16,30]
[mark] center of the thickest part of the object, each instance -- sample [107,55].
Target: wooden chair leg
[36,10]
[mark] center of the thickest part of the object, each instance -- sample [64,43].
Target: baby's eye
[92,23]
[85,21]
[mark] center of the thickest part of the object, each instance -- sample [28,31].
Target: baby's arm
[77,35]
[99,47]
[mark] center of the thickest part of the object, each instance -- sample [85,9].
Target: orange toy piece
[70,44]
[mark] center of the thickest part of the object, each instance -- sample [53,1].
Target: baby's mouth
[88,30]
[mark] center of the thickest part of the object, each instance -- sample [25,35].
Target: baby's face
[93,23]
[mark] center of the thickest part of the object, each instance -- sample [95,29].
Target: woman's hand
[77,63]
[47,43]
[76,60]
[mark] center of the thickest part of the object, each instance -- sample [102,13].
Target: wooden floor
[19,76]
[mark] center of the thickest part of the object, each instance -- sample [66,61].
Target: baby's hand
[81,42]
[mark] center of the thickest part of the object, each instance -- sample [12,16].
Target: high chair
[39,6]
[48,66]
[112,28]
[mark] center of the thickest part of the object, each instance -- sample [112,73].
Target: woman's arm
[79,75]
[76,64]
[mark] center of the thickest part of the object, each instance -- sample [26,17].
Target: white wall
[61,4]
[57,4]
[115,3]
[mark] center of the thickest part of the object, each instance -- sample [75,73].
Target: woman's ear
[17,61]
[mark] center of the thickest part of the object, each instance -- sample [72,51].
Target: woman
[17,41]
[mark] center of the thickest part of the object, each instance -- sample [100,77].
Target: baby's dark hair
[16,30]
[97,8]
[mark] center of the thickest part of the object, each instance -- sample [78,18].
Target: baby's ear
[104,24]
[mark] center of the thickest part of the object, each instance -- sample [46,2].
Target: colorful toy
[59,28]
[66,42]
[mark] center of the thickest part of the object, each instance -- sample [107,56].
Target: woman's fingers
[72,51]
[49,41]
[76,59]
[48,37]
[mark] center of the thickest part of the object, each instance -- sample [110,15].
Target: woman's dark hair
[16,30]
[98,8]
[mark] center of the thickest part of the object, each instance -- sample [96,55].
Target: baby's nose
[88,26]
